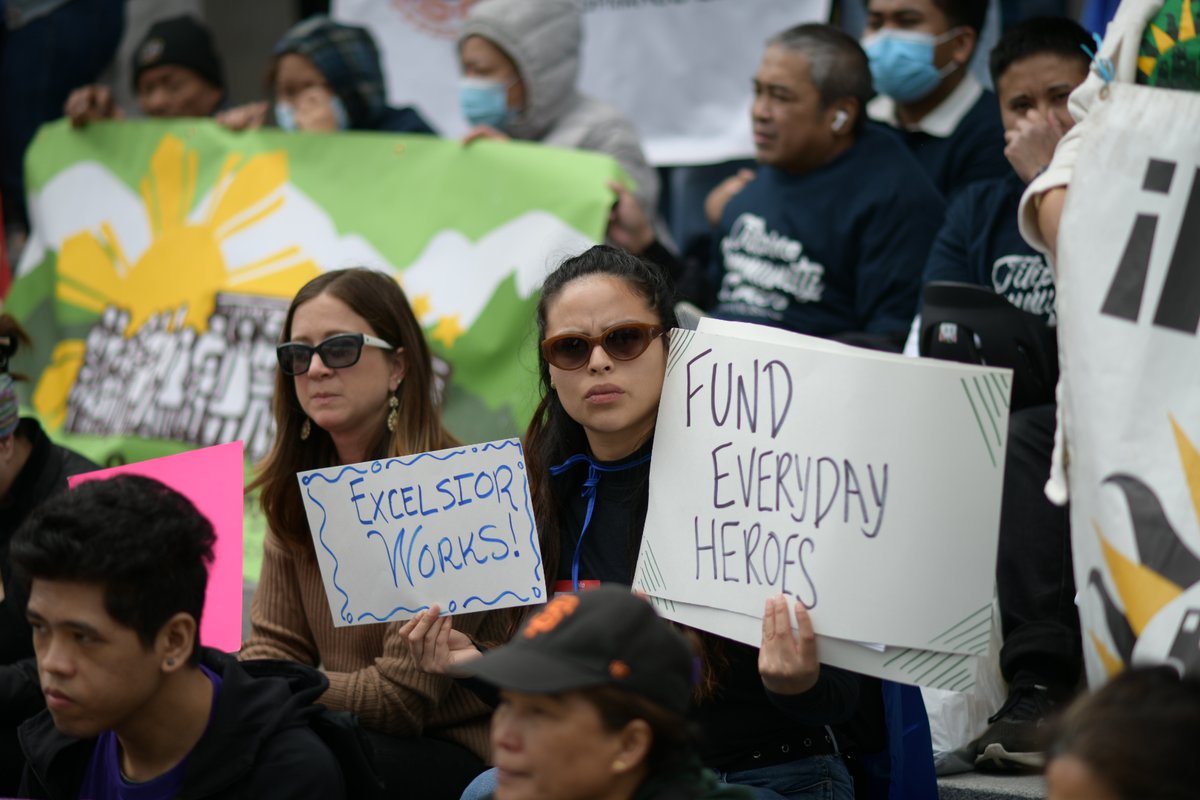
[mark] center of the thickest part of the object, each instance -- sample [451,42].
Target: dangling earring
[394,413]
[305,429]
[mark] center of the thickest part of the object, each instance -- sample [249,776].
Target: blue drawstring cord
[1104,66]
[595,469]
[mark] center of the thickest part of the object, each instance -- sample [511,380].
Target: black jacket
[44,474]
[259,743]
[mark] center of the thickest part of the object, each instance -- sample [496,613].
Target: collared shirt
[939,122]
[957,143]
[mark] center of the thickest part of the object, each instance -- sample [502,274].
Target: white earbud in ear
[840,119]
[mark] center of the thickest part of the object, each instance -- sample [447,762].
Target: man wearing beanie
[176,73]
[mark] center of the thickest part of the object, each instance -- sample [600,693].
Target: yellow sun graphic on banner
[184,266]
[1166,568]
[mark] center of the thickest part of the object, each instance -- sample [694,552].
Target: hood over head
[348,58]
[542,37]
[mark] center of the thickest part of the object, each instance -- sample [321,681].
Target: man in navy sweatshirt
[1035,66]
[830,236]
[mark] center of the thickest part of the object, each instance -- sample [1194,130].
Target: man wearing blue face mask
[919,51]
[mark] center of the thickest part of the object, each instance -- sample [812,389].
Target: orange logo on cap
[555,612]
[618,669]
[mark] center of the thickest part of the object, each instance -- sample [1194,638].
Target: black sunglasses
[337,352]
[623,342]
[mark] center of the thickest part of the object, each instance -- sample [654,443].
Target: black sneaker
[1013,741]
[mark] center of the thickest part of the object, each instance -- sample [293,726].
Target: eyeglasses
[623,342]
[337,352]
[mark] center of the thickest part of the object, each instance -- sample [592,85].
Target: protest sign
[164,254]
[959,672]
[212,479]
[688,98]
[855,482]
[452,527]
[1129,314]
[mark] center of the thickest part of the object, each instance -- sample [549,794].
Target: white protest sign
[866,486]
[1129,314]
[957,672]
[453,527]
[680,70]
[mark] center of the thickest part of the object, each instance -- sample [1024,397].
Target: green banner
[164,254]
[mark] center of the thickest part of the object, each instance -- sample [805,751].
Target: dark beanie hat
[182,41]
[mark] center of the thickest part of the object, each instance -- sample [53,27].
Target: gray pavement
[977,786]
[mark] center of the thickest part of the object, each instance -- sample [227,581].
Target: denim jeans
[809,778]
[482,787]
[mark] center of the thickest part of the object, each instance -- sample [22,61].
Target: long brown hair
[378,299]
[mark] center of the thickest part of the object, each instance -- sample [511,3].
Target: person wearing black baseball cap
[176,73]
[593,696]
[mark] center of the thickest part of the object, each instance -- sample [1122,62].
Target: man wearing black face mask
[919,51]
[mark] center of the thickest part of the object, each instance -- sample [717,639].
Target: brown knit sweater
[369,669]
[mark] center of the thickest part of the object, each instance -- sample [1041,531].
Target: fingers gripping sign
[787,659]
[484,132]
[89,103]
[434,644]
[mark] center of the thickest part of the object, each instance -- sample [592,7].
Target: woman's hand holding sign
[435,646]
[787,660]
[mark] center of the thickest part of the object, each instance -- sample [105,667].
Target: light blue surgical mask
[902,63]
[484,102]
[285,114]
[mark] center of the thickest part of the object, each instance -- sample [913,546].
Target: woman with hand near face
[326,76]
[603,319]
[355,384]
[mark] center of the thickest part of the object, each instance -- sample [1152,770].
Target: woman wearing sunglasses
[355,383]
[604,318]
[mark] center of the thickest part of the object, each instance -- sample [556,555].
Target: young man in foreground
[116,573]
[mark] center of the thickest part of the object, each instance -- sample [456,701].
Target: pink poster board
[213,479]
